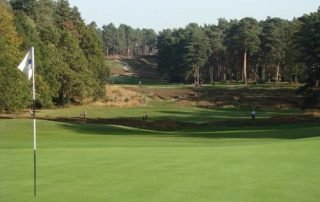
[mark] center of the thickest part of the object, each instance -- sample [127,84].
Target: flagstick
[34,124]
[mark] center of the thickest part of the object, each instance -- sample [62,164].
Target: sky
[162,14]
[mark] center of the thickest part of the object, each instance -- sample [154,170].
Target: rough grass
[81,162]
[126,70]
[249,97]
[134,80]
[119,97]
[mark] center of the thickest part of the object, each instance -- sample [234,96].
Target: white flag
[26,65]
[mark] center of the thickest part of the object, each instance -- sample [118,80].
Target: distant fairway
[165,110]
[80,162]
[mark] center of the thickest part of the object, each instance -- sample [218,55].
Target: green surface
[133,80]
[80,162]
[165,110]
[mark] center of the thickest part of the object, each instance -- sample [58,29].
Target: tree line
[70,63]
[125,40]
[272,50]
[70,54]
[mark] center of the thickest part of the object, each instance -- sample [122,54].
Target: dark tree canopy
[274,50]
[124,40]
[70,54]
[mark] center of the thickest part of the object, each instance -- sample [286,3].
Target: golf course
[198,154]
[159,101]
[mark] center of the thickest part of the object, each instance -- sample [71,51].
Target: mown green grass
[132,80]
[217,85]
[81,162]
[164,110]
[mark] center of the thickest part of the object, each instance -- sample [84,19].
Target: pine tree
[110,38]
[247,40]
[197,51]
[308,40]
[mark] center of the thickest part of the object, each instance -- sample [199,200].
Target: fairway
[187,103]
[82,162]
[166,110]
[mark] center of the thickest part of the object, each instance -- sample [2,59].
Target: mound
[208,97]
[142,67]
[117,96]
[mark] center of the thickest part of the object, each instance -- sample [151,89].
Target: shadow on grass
[214,115]
[296,131]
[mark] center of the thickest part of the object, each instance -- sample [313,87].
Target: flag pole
[34,125]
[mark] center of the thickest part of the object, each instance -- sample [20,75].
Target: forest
[70,63]
[273,50]
[70,54]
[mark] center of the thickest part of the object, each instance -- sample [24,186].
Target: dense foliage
[271,50]
[70,64]
[125,40]
[308,44]
[70,54]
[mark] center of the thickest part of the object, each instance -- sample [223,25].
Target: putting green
[79,162]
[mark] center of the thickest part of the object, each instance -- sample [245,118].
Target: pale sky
[163,14]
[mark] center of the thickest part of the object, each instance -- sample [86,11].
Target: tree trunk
[244,78]
[277,72]
[198,75]
[61,98]
[114,49]
[145,49]
[269,77]
[211,73]
[137,49]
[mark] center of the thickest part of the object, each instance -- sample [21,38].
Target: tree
[5,4]
[308,41]
[127,41]
[217,59]
[197,51]
[44,13]
[13,85]
[247,40]
[98,32]
[62,12]
[171,51]
[294,67]
[165,44]
[149,38]
[110,38]
[129,36]
[27,6]
[273,44]
[234,56]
